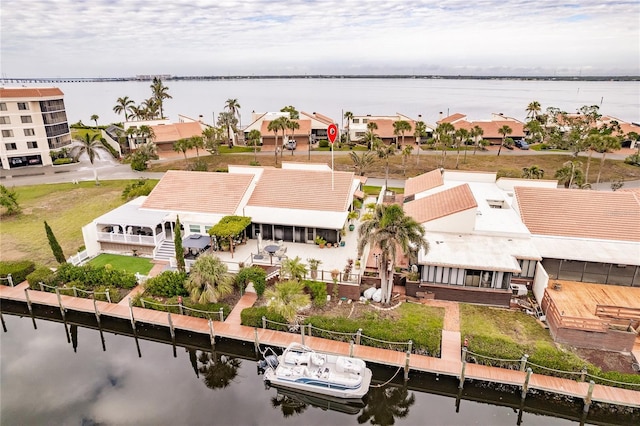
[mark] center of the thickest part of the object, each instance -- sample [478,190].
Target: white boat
[300,367]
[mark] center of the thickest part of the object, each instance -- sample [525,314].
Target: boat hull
[322,387]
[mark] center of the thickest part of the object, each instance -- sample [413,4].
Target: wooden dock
[449,364]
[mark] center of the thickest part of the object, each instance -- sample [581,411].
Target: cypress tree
[53,243]
[177,241]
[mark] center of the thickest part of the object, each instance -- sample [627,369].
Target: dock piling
[172,331]
[351,348]
[26,295]
[464,367]
[525,385]
[587,399]
[221,315]
[133,321]
[62,311]
[95,307]
[302,334]
[212,335]
[406,365]
[358,335]
[523,362]
[256,342]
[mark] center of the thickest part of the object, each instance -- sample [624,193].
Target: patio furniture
[271,249]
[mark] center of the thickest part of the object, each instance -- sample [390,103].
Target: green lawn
[375,190]
[126,263]
[66,208]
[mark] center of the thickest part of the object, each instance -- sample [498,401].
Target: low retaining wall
[459,294]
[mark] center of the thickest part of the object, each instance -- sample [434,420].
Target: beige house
[312,128]
[490,128]
[357,127]
[33,122]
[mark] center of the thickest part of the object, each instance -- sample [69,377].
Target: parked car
[522,144]
[290,145]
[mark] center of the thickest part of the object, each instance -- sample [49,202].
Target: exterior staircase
[166,251]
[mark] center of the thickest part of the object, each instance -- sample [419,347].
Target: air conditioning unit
[519,289]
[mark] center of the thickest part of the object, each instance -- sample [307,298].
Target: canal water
[63,374]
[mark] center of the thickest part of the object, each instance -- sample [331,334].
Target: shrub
[253,274]
[114,294]
[137,188]
[167,284]
[41,274]
[252,317]
[198,166]
[18,270]
[323,143]
[59,161]
[634,160]
[94,276]
[318,291]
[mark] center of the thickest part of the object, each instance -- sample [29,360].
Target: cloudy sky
[88,38]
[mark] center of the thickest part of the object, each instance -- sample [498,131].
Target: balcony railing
[112,237]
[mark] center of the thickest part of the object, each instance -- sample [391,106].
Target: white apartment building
[33,122]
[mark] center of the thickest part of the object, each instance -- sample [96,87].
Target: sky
[124,38]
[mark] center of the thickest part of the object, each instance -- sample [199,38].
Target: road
[109,169]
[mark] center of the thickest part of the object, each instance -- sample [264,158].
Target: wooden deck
[576,299]
[449,364]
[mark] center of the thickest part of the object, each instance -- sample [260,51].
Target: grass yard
[66,208]
[126,263]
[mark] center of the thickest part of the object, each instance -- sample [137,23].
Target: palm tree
[292,125]
[293,269]
[504,131]
[444,133]
[533,110]
[209,281]
[406,153]
[609,143]
[233,107]
[419,132]
[147,133]
[197,142]
[293,112]
[570,174]
[533,172]
[460,137]
[535,130]
[212,138]
[399,128]
[91,146]
[275,126]
[124,105]
[287,298]
[476,133]
[387,229]
[254,139]
[361,162]
[160,93]
[371,139]
[142,155]
[95,118]
[385,151]
[348,115]
[371,126]
[182,145]
[228,121]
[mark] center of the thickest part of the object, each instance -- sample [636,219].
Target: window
[3,106]
[29,132]
[194,228]
[206,229]
[32,145]
[7,133]
[23,106]
[356,121]
[10,146]
[26,119]
[5,120]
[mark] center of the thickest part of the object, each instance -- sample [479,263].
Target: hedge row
[18,270]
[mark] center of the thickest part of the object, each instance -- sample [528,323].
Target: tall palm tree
[592,142]
[212,138]
[182,145]
[228,121]
[287,298]
[399,128]
[254,137]
[444,133]
[275,126]
[407,150]
[533,110]
[533,172]
[90,145]
[209,280]
[233,106]
[387,229]
[385,151]
[419,133]
[361,162]
[504,131]
[150,108]
[197,142]
[609,143]
[124,105]
[460,137]
[535,130]
[476,133]
[348,115]
[95,118]
[570,174]
[292,125]
[160,93]
[371,127]
[293,269]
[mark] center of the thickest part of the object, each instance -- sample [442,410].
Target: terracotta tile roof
[200,192]
[385,128]
[490,128]
[173,132]
[304,130]
[451,118]
[302,189]
[579,213]
[424,182]
[441,204]
[29,92]
[319,117]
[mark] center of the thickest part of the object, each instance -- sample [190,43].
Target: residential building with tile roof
[357,127]
[490,127]
[33,123]
[294,203]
